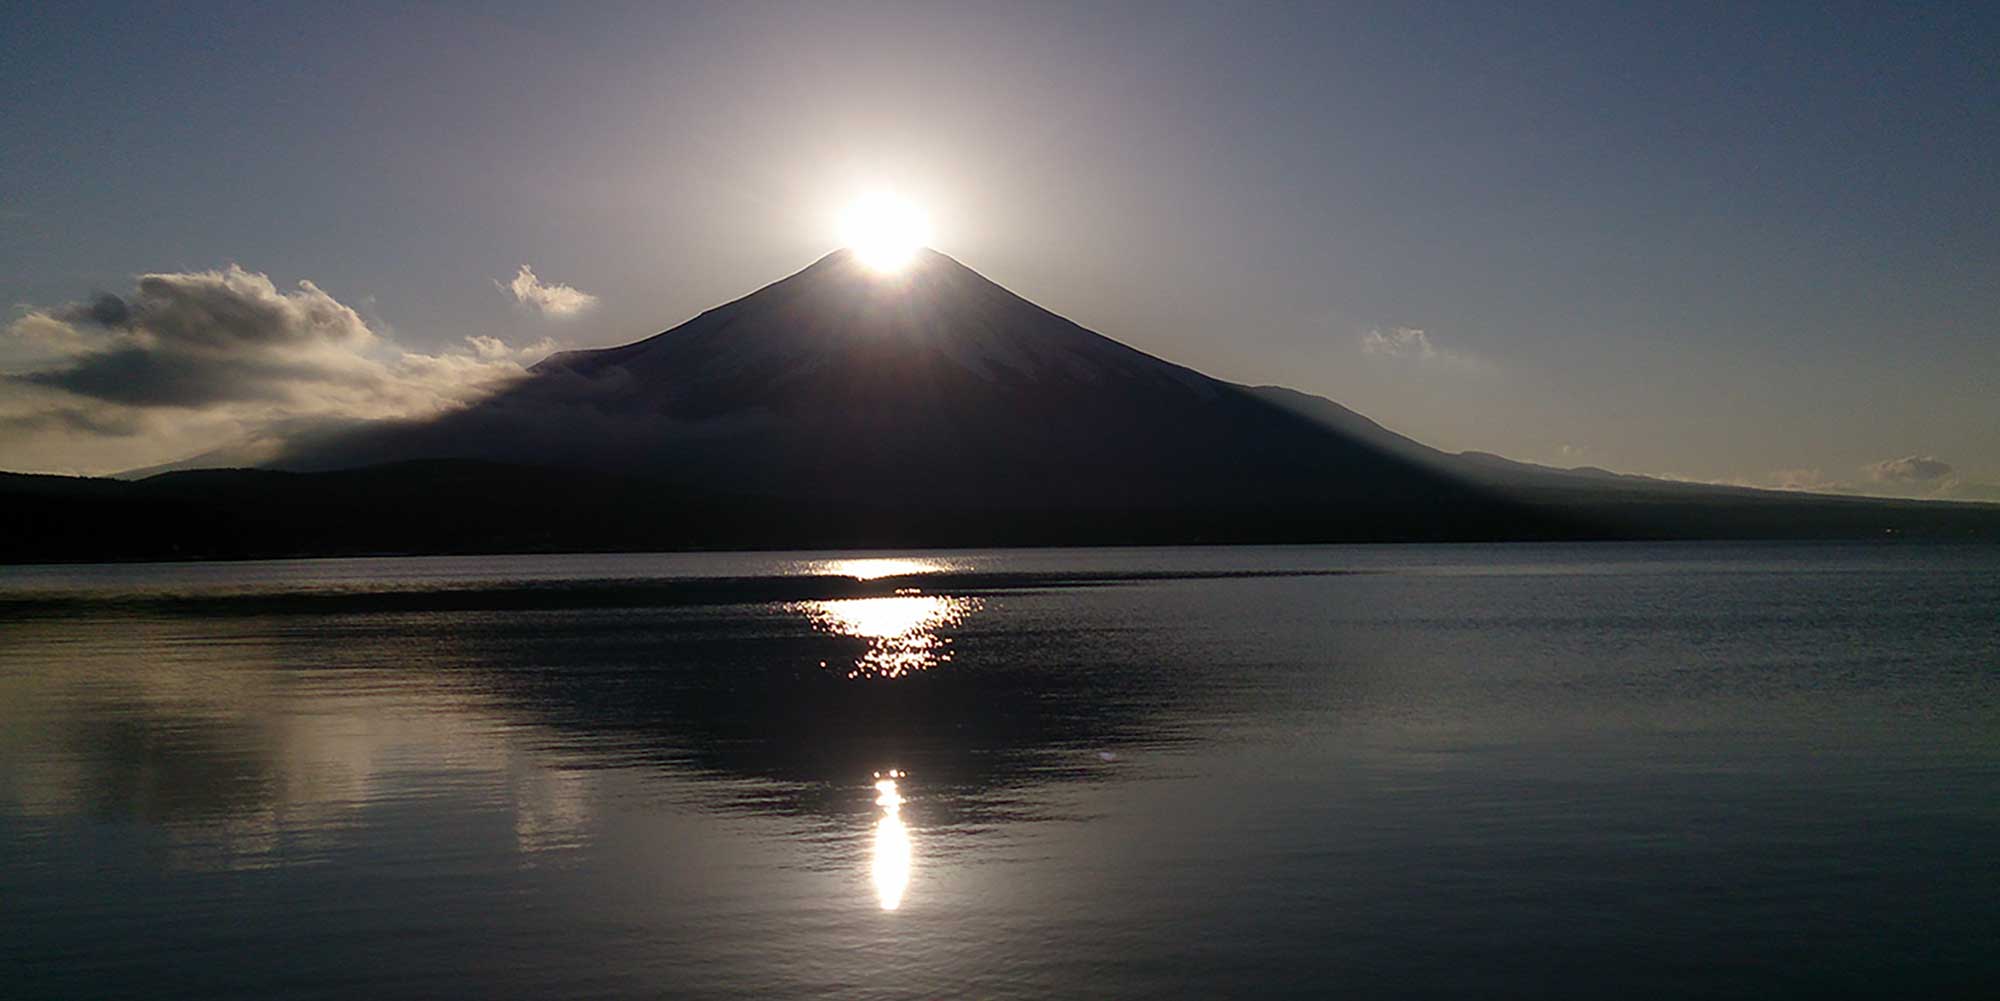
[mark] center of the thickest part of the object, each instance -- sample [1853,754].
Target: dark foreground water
[1324,771]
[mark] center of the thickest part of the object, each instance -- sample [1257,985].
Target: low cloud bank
[1917,477]
[191,361]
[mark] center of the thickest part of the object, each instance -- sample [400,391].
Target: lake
[1570,770]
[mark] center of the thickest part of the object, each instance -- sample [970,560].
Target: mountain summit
[928,387]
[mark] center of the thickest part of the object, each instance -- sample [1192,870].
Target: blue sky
[1738,242]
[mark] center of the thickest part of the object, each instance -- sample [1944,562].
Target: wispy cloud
[493,348]
[187,361]
[1917,477]
[1411,343]
[1399,342]
[550,298]
[1803,479]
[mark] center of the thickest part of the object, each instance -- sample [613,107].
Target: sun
[884,231]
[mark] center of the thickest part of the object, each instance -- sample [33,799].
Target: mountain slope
[932,387]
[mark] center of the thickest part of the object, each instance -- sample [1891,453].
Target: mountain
[842,407]
[930,387]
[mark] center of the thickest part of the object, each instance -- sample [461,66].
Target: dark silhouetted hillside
[840,407]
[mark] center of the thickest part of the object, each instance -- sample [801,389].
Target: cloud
[77,419]
[1912,477]
[1925,476]
[189,361]
[494,348]
[1809,480]
[552,299]
[106,310]
[1410,343]
[1961,490]
[1909,469]
[200,338]
[1399,342]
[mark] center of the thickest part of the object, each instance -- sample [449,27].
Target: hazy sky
[1724,242]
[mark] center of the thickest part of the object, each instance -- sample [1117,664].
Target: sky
[1746,243]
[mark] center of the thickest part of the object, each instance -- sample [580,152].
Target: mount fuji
[842,406]
[929,387]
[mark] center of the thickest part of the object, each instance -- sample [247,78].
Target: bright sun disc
[884,231]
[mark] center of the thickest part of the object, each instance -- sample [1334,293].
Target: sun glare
[905,633]
[884,231]
[891,866]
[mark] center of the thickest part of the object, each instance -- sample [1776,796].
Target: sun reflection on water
[902,631]
[873,568]
[891,866]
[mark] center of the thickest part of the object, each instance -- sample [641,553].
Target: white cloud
[551,298]
[1914,477]
[191,361]
[492,348]
[1399,342]
[1411,343]
[1909,469]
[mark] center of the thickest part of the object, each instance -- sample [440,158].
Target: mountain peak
[928,272]
[841,315]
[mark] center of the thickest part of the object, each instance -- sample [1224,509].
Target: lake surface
[1573,770]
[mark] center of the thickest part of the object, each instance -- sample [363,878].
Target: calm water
[1315,771]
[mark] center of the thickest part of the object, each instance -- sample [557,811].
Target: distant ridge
[465,507]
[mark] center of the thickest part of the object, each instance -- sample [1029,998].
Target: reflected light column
[892,844]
